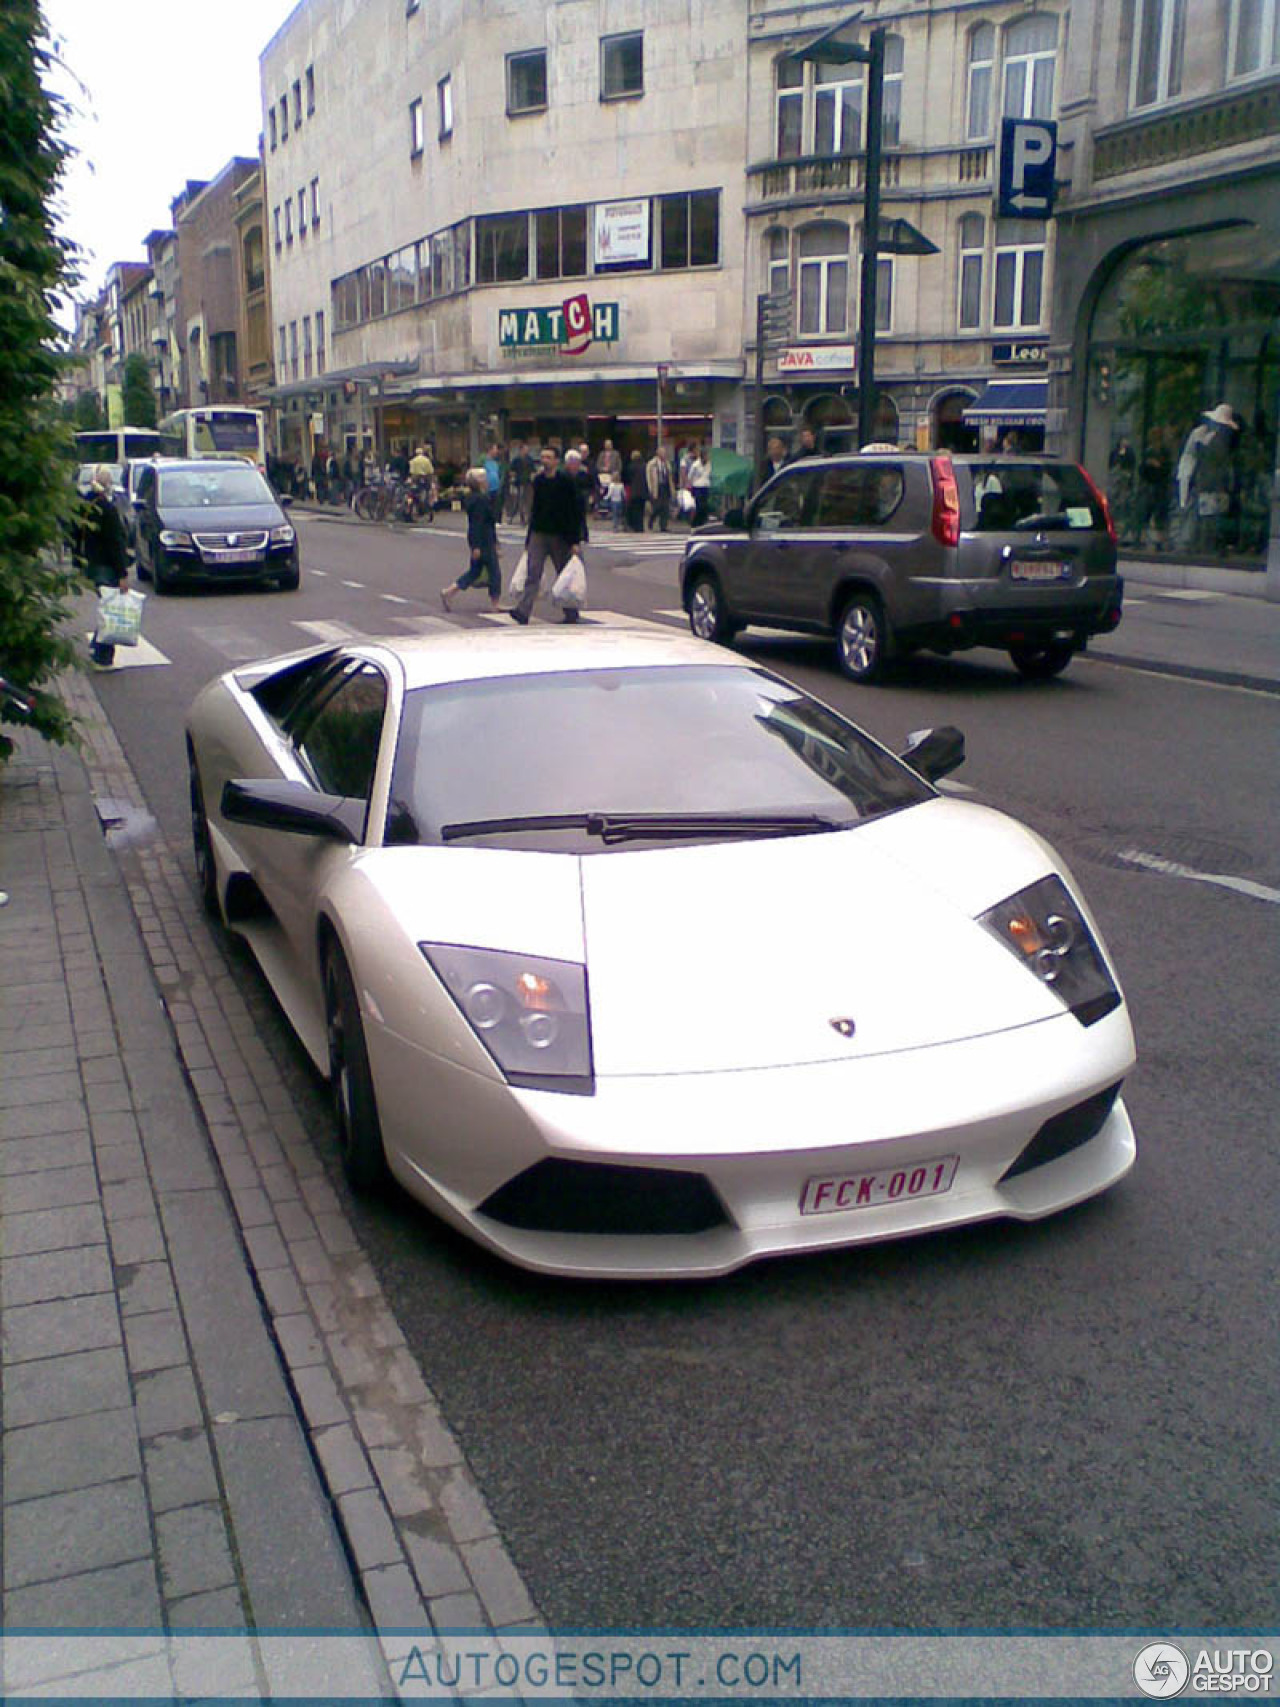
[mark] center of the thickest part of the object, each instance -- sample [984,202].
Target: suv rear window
[1013,497]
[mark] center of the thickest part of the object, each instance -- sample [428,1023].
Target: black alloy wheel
[708,618]
[1039,663]
[364,1160]
[862,638]
[202,841]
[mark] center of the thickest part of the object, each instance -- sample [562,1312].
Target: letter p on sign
[1028,157]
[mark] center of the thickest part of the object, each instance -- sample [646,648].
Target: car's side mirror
[934,753]
[294,807]
[285,501]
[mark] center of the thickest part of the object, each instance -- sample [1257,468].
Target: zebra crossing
[603,538]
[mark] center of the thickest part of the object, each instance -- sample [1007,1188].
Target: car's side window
[858,497]
[339,741]
[784,506]
[146,483]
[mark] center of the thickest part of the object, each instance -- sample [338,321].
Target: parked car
[891,551]
[211,520]
[628,958]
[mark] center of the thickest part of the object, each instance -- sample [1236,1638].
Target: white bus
[219,429]
[117,445]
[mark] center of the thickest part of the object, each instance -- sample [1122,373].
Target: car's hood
[742,955]
[211,518]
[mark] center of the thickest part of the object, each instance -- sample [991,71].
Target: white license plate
[1035,569]
[235,557]
[828,1194]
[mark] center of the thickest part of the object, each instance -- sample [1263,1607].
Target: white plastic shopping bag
[119,617]
[570,589]
[520,576]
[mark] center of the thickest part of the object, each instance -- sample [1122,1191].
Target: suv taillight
[1100,498]
[946,501]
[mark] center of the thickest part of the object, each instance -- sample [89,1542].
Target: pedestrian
[482,538]
[775,457]
[658,480]
[519,474]
[637,487]
[493,473]
[583,480]
[555,530]
[350,474]
[104,549]
[700,485]
[317,475]
[806,445]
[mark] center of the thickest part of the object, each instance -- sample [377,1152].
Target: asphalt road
[1062,1424]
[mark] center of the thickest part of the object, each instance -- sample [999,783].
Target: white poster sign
[622,232]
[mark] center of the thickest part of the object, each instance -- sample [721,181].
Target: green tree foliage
[89,415]
[139,394]
[37,497]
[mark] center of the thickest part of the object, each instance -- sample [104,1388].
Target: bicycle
[373,503]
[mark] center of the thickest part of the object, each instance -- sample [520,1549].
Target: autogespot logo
[1161,1669]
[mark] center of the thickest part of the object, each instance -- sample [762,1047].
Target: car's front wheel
[201,840]
[862,638]
[290,581]
[1039,663]
[162,580]
[364,1160]
[708,617]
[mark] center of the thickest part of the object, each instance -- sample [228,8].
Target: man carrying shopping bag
[106,557]
[555,529]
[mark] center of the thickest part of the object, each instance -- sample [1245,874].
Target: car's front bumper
[275,563]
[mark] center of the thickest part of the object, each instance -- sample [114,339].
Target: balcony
[1246,114]
[836,175]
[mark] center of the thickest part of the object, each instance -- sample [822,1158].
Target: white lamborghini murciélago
[631,960]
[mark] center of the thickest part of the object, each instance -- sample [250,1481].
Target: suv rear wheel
[1038,663]
[862,638]
[707,615]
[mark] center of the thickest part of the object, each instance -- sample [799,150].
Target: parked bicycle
[393,500]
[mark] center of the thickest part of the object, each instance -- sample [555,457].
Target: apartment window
[502,248]
[284,350]
[1019,273]
[777,255]
[275,215]
[621,66]
[1159,29]
[306,347]
[1030,49]
[321,360]
[982,56]
[302,213]
[891,111]
[402,278]
[823,277]
[377,289]
[297,102]
[837,109]
[315,201]
[444,102]
[560,240]
[690,226]
[311,96]
[288,221]
[1254,36]
[293,348]
[972,243]
[884,288]
[527,81]
[417,132]
[790,108]
[271,124]
[442,262]
[284,118]
[461,254]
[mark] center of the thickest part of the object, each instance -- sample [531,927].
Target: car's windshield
[1016,497]
[704,739]
[220,488]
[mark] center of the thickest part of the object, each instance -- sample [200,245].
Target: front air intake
[557,1196]
[1065,1132]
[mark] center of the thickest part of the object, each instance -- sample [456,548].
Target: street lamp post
[870,241]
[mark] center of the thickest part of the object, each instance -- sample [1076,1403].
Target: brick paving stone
[336,1234]
[342,1459]
[403,1480]
[394,1599]
[457,1612]
[110,1099]
[502,1593]
[194,1556]
[281,1290]
[299,1341]
[266,1248]
[252,1205]
[43,1120]
[48,1388]
[91,1045]
[143,1287]
[78,1452]
[321,1401]
[126,1198]
[436,1564]
[26,1063]
[43,1155]
[120,1597]
[57,1188]
[103,1071]
[467,1515]
[155,1341]
[120,1162]
[139,1238]
[30,1092]
[54,1274]
[112,1126]
[311,1261]
[369,1531]
[353,1359]
[62,1534]
[51,1229]
[179,1469]
[166,1402]
[220,1609]
[58,1327]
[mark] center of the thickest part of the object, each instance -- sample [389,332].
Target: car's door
[773,580]
[855,526]
[146,524]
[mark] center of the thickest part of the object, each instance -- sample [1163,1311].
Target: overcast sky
[163,91]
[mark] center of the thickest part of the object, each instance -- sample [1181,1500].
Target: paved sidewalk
[210,1417]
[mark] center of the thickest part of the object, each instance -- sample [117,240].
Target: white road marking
[358,585]
[1188,595]
[425,624]
[320,574]
[332,631]
[949,785]
[1172,868]
[588,619]
[136,657]
[394,599]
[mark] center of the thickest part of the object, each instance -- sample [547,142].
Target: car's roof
[200,464]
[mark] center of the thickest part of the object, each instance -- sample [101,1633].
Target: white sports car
[631,960]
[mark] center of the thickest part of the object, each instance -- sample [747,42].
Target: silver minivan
[890,552]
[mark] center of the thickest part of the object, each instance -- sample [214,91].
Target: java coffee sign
[571,328]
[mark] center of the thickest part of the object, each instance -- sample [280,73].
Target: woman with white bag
[105,551]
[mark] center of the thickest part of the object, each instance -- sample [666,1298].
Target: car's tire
[161,579]
[202,841]
[862,638]
[1039,663]
[364,1160]
[290,581]
[708,617]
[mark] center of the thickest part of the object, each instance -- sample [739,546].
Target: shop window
[823,277]
[561,242]
[527,82]
[972,244]
[982,55]
[444,101]
[622,66]
[891,112]
[690,229]
[417,130]
[502,248]
[1019,274]
[1030,50]
[790,127]
[1255,36]
[837,109]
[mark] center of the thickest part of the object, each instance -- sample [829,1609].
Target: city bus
[218,429]
[117,445]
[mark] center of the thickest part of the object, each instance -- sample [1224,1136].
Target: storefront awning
[1010,403]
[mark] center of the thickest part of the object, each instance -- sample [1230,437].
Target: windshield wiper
[613,827]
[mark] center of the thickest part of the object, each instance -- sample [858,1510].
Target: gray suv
[890,552]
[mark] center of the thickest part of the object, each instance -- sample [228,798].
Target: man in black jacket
[555,529]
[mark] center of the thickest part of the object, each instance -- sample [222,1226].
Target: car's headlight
[1045,929]
[531,1014]
[282,535]
[174,536]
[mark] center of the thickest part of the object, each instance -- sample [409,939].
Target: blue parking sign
[1028,156]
